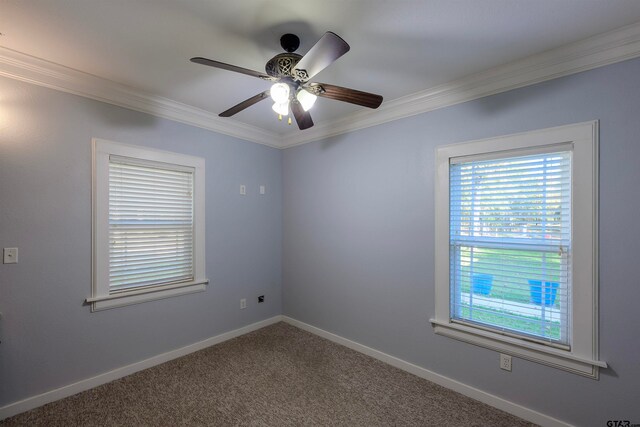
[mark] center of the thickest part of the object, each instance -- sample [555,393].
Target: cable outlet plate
[505,362]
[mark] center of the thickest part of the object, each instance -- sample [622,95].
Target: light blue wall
[49,338]
[355,223]
[358,245]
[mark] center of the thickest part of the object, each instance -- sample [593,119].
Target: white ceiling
[397,47]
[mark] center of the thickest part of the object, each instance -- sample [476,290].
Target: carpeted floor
[276,376]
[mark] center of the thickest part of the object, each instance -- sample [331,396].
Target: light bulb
[282,108]
[306,99]
[279,93]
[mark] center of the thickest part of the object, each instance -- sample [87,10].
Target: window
[516,245]
[148,225]
[510,244]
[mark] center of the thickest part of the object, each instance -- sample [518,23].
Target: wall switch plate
[261,298]
[243,303]
[263,189]
[243,190]
[505,362]
[10,256]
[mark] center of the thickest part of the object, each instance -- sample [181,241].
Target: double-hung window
[148,225]
[516,245]
[510,244]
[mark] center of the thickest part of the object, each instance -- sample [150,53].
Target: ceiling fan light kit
[281,108]
[291,74]
[306,99]
[280,93]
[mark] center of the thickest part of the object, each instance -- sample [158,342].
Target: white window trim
[101,299]
[582,358]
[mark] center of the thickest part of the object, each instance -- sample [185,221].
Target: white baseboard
[474,393]
[86,384]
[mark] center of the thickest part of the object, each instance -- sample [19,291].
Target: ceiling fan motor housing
[282,64]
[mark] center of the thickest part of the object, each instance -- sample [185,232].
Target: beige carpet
[276,376]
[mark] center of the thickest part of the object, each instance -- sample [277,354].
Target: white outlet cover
[243,190]
[263,189]
[505,362]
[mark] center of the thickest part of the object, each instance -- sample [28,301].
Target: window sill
[556,358]
[103,302]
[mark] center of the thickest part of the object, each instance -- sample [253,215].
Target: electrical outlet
[505,362]
[243,189]
[261,298]
[263,189]
[243,303]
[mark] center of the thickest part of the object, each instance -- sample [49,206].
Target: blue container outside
[482,283]
[550,290]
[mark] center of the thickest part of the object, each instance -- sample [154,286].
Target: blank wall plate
[10,256]
[263,189]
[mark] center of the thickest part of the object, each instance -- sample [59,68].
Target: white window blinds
[510,245]
[151,224]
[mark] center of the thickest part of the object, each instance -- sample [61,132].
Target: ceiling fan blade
[222,65]
[344,94]
[303,118]
[329,48]
[244,104]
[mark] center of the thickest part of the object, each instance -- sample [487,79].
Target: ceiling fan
[291,74]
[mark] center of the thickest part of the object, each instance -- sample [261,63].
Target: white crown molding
[37,71]
[603,49]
